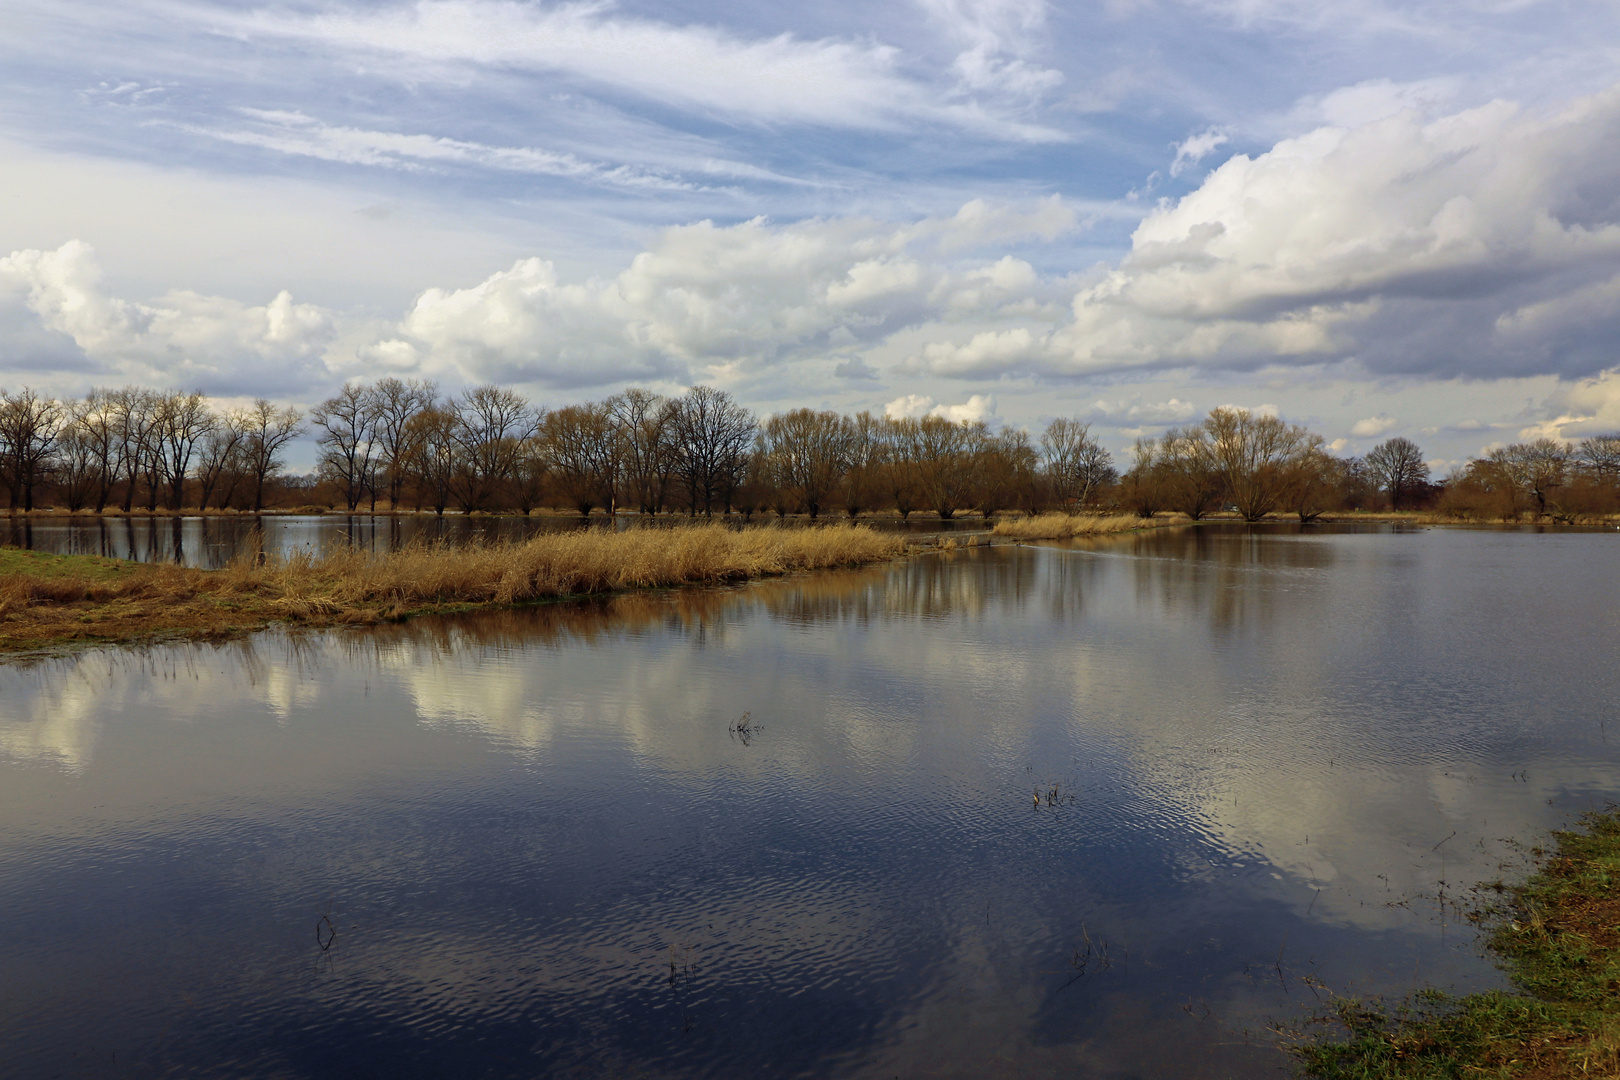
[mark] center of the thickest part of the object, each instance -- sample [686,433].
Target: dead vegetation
[1065,526]
[49,601]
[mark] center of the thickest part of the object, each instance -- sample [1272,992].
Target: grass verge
[51,601]
[1064,526]
[1558,937]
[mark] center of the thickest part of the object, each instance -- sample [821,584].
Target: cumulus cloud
[708,300]
[979,408]
[182,339]
[1585,408]
[780,79]
[1481,244]
[1373,426]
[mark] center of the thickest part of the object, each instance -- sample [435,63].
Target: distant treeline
[397,444]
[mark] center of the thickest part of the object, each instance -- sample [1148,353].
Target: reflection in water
[543,853]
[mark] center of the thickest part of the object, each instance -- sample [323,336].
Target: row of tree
[400,443]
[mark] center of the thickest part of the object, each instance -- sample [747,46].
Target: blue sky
[1376,218]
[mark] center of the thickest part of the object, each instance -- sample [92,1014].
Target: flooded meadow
[1108,808]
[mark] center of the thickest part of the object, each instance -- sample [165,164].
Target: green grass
[1557,936]
[52,567]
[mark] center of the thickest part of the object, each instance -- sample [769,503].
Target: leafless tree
[806,455]
[863,479]
[267,431]
[1188,474]
[347,427]
[491,424]
[397,403]
[1397,467]
[134,421]
[1076,463]
[435,454]
[181,422]
[78,459]
[29,425]
[1256,456]
[712,438]
[1537,467]
[221,463]
[583,446]
[1600,456]
[646,427]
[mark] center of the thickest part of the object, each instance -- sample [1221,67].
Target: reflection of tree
[1230,576]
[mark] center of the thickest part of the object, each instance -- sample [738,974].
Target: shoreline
[55,603]
[1557,936]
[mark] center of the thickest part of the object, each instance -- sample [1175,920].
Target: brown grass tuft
[1064,526]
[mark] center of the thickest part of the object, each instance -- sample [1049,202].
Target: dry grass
[42,605]
[1064,526]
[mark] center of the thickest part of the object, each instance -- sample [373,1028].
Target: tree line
[400,444]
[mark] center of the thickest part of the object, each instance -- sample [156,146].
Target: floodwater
[1108,809]
[212,542]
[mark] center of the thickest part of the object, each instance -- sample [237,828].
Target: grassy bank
[1065,526]
[1558,937]
[50,601]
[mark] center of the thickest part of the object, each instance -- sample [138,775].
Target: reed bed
[1065,526]
[42,604]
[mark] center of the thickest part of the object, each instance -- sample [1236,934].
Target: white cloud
[1373,426]
[304,136]
[979,408]
[780,79]
[1195,148]
[1001,37]
[708,299]
[1461,246]
[182,339]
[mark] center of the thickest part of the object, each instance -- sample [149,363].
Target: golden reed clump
[1064,526]
[345,585]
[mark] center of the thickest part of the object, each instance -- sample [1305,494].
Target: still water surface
[536,844]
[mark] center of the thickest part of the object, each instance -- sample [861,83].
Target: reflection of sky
[517,816]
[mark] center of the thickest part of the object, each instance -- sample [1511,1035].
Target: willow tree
[1257,457]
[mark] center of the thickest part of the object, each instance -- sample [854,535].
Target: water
[212,542]
[546,850]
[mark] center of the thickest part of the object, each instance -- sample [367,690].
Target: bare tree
[29,425]
[645,422]
[1256,456]
[78,458]
[583,446]
[397,403]
[1537,467]
[712,437]
[1397,467]
[1190,478]
[867,453]
[1600,456]
[435,450]
[134,421]
[222,460]
[806,455]
[267,431]
[1076,463]
[347,426]
[182,421]
[491,424]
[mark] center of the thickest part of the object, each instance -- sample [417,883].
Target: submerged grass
[1558,937]
[48,601]
[1064,526]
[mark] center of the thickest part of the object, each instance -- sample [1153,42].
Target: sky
[1373,218]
